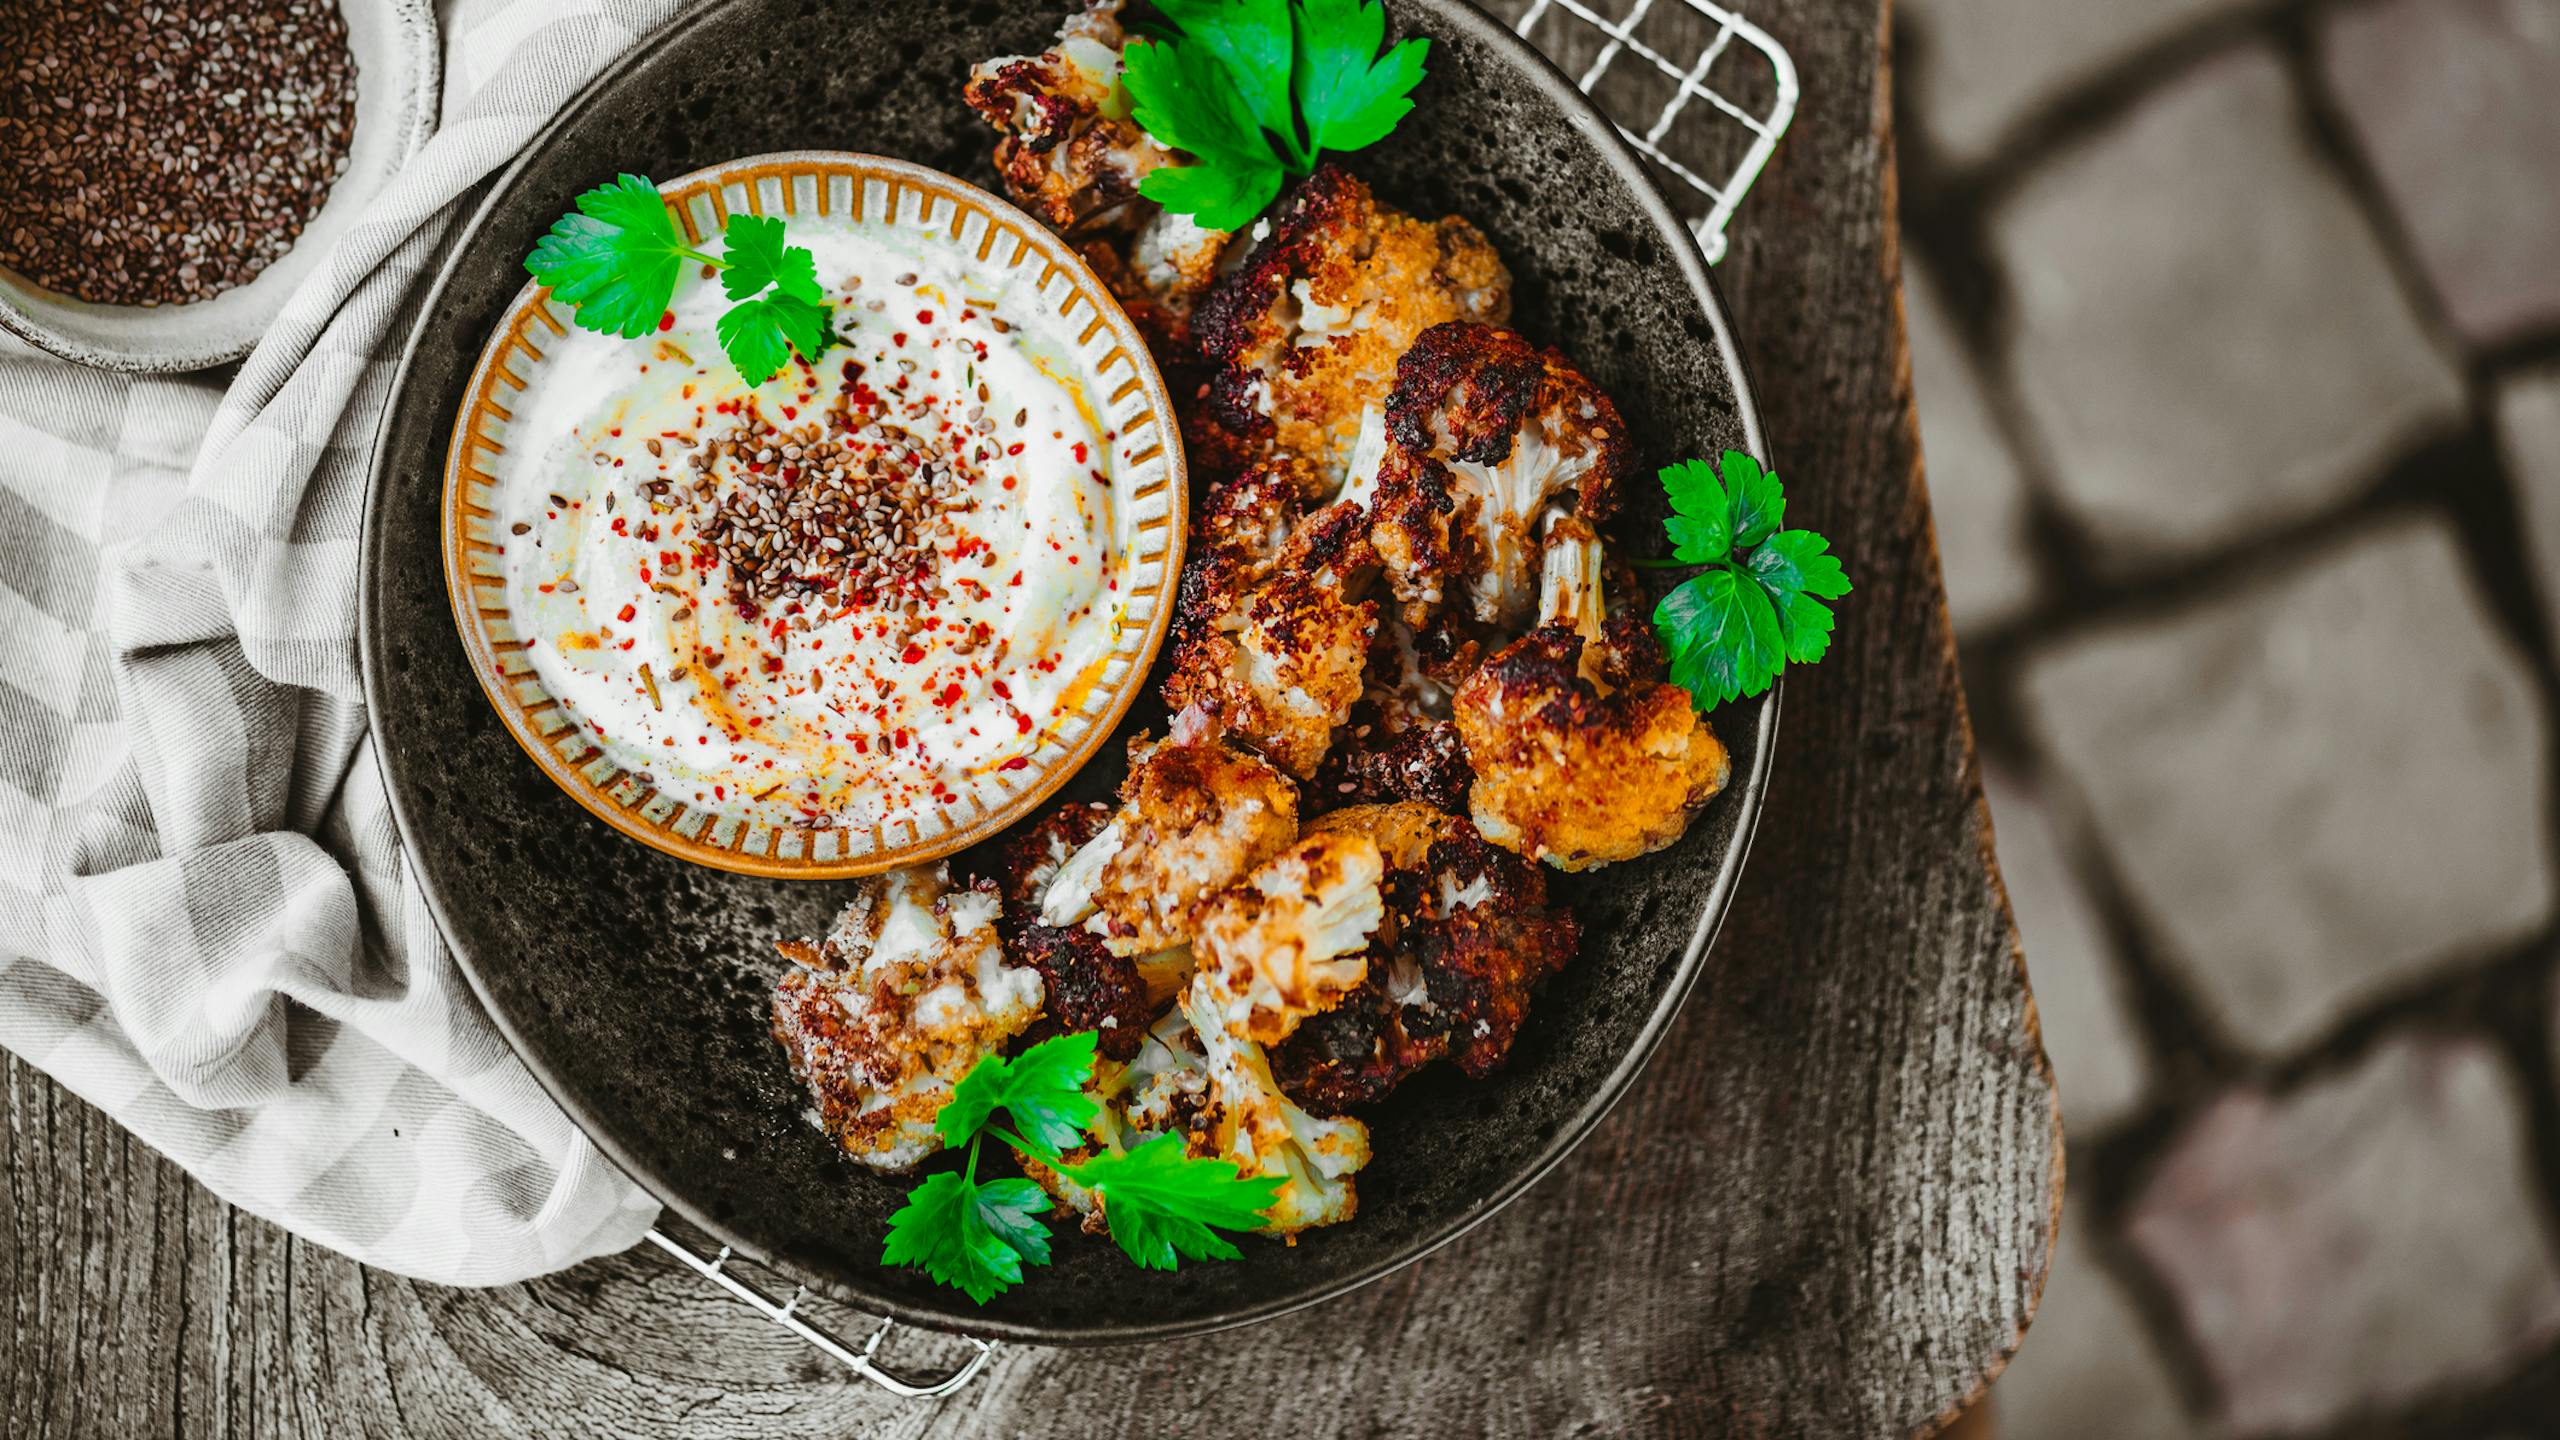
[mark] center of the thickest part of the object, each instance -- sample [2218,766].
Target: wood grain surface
[1824,1211]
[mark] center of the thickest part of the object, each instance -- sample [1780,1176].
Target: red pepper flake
[924,317]
[1014,449]
[627,612]
[1016,763]
[1022,724]
[666,321]
[950,695]
[912,654]
[898,338]
[1079,452]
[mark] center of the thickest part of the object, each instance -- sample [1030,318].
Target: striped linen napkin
[207,927]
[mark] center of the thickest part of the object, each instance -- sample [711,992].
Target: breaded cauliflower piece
[1292,939]
[1305,332]
[882,1017]
[1071,155]
[1195,816]
[1262,1132]
[1491,440]
[1582,754]
[1468,933]
[1276,646]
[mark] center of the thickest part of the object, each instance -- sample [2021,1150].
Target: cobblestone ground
[2236,329]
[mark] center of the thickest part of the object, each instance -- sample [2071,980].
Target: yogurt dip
[843,597]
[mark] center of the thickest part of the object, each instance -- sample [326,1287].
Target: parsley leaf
[616,260]
[1729,631]
[757,259]
[1186,99]
[1042,1089]
[1161,1202]
[1799,571]
[760,334]
[1721,634]
[1255,89]
[1756,504]
[973,1237]
[1700,525]
[1351,95]
[1251,42]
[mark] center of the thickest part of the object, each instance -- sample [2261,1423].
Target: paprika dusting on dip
[842,597]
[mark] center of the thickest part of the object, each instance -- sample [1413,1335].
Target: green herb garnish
[1729,631]
[616,260]
[1259,89]
[1163,1205]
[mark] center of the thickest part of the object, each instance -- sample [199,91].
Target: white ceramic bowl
[399,65]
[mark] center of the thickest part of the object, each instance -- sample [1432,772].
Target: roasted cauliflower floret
[1468,933]
[1195,816]
[1292,939]
[1250,1123]
[882,1017]
[1304,333]
[1085,985]
[1491,440]
[1276,647]
[1070,154]
[1582,754]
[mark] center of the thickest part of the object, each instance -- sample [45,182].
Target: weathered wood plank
[1824,1211]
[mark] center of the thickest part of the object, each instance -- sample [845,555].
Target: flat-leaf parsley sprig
[1728,631]
[1163,1205]
[616,258]
[1256,90]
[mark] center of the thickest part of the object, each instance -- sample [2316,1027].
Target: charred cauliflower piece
[1087,987]
[1276,646]
[1292,939]
[1582,754]
[1195,817]
[882,1017]
[1468,933]
[1401,743]
[1305,332]
[1491,440]
[1070,154]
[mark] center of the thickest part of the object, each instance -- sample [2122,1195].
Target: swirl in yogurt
[831,599]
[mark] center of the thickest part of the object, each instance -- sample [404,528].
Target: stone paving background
[2236,331]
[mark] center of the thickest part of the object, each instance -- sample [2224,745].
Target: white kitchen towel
[207,927]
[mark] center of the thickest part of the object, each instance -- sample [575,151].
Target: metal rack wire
[1571,25]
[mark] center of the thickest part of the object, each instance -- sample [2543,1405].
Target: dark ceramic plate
[634,984]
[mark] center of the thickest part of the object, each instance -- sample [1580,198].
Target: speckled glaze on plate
[1004,242]
[634,984]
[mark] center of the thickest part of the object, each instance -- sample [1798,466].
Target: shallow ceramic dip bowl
[1004,254]
[636,986]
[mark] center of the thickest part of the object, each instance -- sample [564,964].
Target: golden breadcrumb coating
[882,1017]
[1306,332]
[1272,635]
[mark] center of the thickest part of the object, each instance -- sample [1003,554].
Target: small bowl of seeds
[171,169]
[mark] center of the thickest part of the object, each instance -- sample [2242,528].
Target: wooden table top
[1825,1210]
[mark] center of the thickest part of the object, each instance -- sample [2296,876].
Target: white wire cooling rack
[1717,153]
[1726,75]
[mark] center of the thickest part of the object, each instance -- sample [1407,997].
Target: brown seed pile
[160,153]
[828,516]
